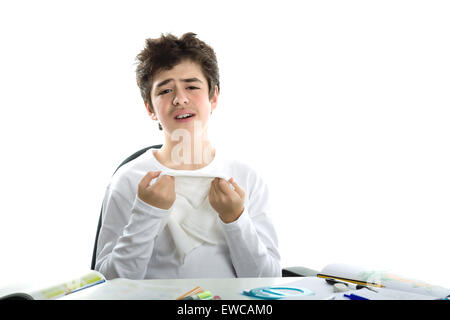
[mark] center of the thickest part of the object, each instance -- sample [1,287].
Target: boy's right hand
[161,194]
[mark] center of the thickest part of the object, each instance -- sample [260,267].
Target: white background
[342,106]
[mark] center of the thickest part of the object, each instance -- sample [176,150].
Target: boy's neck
[177,156]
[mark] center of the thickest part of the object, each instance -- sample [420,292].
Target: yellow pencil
[378,285]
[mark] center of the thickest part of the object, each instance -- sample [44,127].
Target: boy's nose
[180,98]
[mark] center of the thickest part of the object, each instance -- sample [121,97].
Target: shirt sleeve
[127,237]
[252,239]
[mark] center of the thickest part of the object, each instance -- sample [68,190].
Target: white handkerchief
[191,220]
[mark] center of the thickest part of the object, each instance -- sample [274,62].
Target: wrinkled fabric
[191,220]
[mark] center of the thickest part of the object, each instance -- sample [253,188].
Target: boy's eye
[164,92]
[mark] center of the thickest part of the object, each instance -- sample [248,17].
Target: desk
[227,289]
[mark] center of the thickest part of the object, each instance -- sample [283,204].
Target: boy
[147,231]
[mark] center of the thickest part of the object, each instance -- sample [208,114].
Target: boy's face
[180,97]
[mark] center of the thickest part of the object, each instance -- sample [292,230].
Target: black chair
[286,272]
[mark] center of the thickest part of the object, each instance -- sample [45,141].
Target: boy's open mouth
[184,116]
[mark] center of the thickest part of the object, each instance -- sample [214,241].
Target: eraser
[340,287]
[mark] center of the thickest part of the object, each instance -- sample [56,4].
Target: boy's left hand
[228,203]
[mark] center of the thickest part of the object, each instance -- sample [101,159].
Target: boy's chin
[194,124]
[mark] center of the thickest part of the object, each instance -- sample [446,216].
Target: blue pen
[354,297]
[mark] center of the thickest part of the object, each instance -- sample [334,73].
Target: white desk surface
[227,289]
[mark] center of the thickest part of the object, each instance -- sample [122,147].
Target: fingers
[148,178]
[238,189]
[165,179]
[161,194]
[222,187]
[212,190]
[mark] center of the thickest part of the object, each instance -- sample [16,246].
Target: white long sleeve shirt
[131,244]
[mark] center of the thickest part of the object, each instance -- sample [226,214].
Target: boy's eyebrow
[192,80]
[164,82]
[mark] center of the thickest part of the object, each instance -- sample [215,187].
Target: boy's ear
[215,98]
[150,112]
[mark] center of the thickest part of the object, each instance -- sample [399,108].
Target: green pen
[206,295]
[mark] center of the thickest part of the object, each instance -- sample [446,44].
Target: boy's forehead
[183,70]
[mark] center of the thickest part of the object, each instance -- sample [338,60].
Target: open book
[387,284]
[98,288]
[88,280]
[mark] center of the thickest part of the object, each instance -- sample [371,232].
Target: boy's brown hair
[167,51]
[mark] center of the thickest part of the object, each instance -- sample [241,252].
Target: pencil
[378,285]
[191,292]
